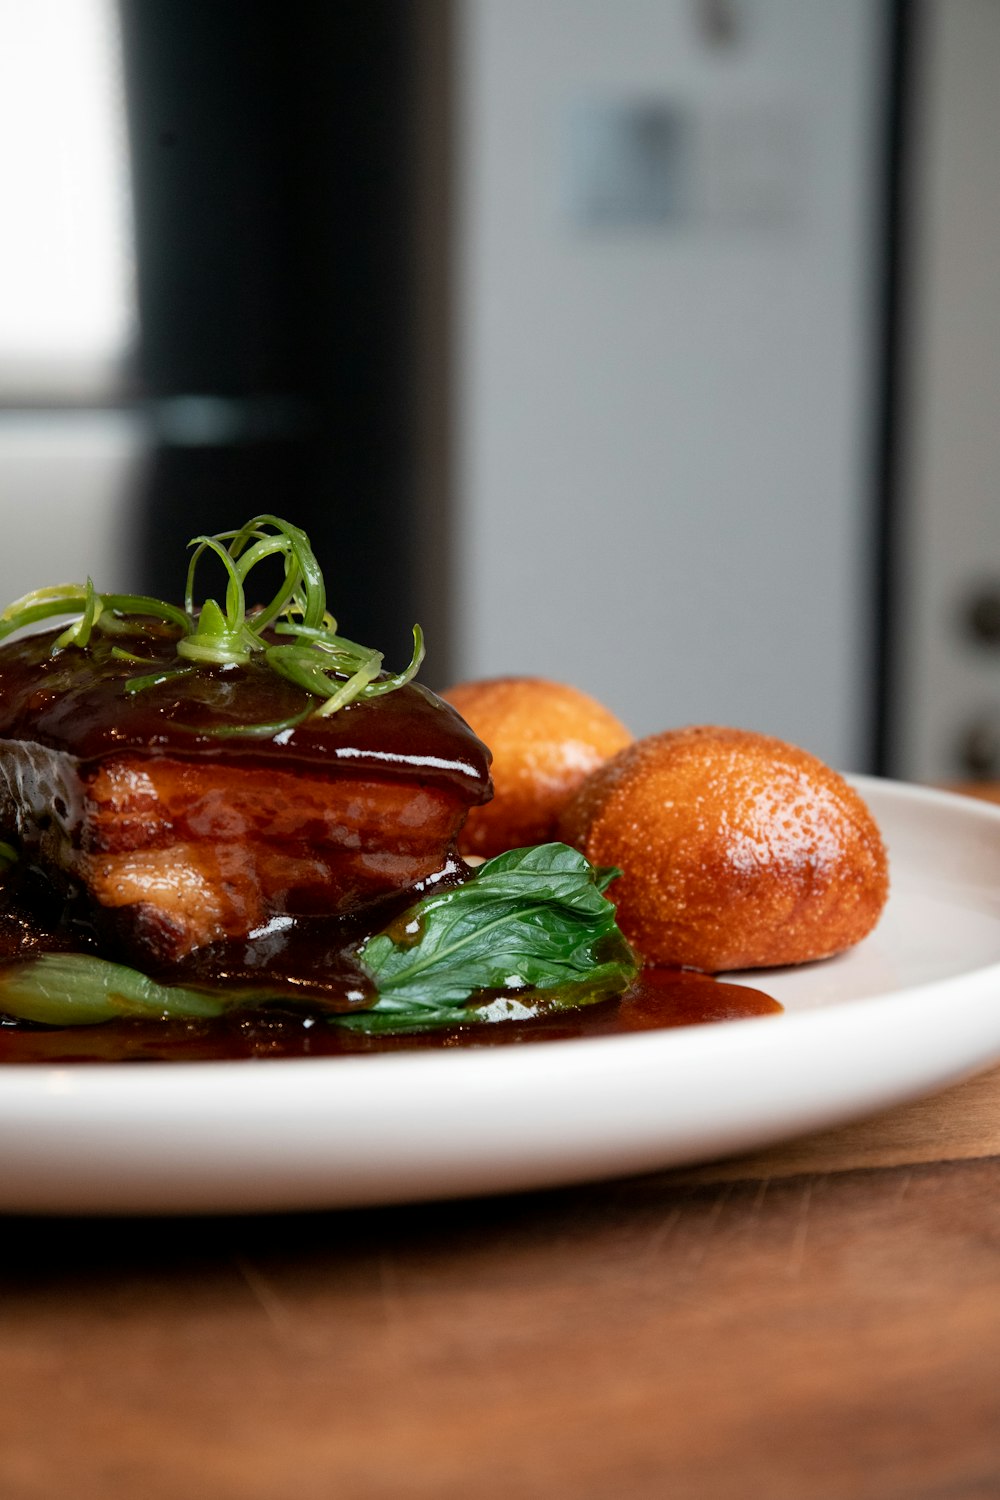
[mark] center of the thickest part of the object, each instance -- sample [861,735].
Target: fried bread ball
[545,739]
[738,851]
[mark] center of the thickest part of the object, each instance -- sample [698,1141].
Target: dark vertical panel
[360,109]
[435,228]
[272,167]
[903,25]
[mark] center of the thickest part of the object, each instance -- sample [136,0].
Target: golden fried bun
[738,851]
[545,739]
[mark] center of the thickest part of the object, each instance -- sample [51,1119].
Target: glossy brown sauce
[76,702]
[658,999]
[313,963]
[311,960]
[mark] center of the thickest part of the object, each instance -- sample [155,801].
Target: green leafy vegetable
[77,989]
[323,663]
[533,923]
[530,931]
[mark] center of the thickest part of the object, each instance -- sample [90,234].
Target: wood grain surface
[829,1335]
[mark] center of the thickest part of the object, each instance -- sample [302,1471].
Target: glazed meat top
[76,702]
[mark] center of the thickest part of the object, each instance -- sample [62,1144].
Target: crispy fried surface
[738,850]
[546,738]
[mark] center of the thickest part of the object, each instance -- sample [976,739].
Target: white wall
[68,483]
[67,300]
[664,430]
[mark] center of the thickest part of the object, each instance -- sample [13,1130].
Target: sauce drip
[658,999]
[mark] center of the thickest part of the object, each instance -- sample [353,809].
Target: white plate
[913,1008]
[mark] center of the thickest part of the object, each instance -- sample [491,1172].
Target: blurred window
[67,293]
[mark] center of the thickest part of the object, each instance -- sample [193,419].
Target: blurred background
[651,345]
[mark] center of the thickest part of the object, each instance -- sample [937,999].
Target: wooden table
[820,1321]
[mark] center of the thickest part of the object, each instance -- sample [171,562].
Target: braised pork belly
[181,820]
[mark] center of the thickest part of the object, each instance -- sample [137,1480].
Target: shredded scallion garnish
[316,658]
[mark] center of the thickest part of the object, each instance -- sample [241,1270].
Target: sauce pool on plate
[658,999]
